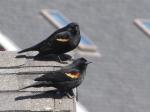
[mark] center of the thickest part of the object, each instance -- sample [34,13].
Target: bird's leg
[59,59]
[77,95]
[65,93]
[62,62]
[70,94]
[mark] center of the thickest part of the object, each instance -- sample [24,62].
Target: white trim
[80,108]
[140,24]
[7,43]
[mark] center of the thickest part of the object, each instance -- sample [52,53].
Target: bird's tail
[27,49]
[38,84]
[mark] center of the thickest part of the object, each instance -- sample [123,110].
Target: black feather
[61,41]
[62,79]
[38,84]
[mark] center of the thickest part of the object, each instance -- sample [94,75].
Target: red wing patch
[73,75]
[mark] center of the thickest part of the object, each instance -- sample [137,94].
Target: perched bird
[61,41]
[64,79]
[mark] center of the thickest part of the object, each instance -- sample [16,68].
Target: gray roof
[119,80]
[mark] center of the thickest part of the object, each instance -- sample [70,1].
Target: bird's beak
[88,62]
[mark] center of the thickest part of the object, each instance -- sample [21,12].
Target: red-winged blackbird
[61,41]
[65,79]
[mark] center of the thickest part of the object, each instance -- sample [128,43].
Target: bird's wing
[53,40]
[72,74]
[59,36]
[59,76]
[62,37]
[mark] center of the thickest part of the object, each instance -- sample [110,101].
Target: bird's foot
[70,94]
[63,62]
[60,61]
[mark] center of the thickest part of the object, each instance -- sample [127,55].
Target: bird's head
[73,28]
[81,63]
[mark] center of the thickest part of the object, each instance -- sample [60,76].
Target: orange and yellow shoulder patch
[73,75]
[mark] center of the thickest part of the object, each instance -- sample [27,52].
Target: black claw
[60,61]
[70,94]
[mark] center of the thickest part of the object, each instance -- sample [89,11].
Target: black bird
[64,79]
[61,41]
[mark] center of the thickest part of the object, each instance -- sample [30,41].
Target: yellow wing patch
[73,75]
[62,40]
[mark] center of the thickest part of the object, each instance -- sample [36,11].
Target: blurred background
[119,80]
